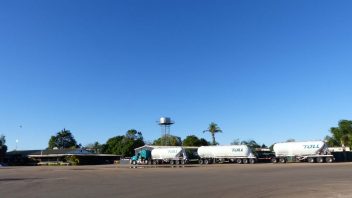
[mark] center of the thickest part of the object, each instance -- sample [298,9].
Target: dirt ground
[226,180]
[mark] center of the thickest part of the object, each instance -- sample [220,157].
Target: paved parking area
[227,180]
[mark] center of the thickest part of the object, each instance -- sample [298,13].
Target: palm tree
[212,129]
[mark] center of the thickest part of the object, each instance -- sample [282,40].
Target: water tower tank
[165,121]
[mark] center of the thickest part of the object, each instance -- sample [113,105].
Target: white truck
[219,154]
[170,155]
[311,151]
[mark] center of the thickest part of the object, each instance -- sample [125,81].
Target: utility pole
[20,126]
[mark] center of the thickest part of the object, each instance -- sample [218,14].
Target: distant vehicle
[220,154]
[310,151]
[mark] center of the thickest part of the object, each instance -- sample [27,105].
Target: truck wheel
[320,160]
[311,160]
[274,160]
[282,160]
[134,162]
[172,162]
[155,162]
[206,161]
[251,161]
[239,161]
[329,159]
[177,162]
[201,161]
[183,162]
[245,161]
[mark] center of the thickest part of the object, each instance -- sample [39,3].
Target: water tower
[165,124]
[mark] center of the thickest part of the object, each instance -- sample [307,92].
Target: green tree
[251,144]
[203,142]
[62,140]
[341,135]
[170,141]
[96,147]
[124,145]
[73,160]
[193,140]
[213,129]
[3,147]
[236,142]
[331,141]
[112,146]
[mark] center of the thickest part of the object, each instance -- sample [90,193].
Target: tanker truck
[219,154]
[161,155]
[310,151]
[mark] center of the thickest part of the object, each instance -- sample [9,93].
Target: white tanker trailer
[311,151]
[233,153]
[172,155]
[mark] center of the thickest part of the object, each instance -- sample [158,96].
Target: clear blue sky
[263,70]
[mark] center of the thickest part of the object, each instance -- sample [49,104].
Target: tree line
[340,136]
[122,144]
[3,147]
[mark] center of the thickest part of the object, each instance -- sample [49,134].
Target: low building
[19,158]
[59,157]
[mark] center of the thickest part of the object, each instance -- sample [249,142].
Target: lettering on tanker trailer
[312,146]
[173,151]
[237,149]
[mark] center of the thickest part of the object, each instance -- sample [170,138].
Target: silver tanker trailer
[311,151]
[220,154]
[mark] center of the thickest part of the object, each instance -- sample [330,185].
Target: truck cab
[142,157]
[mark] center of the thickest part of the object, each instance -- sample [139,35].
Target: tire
[245,161]
[172,162]
[329,160]
[201,161]
[282,160]
[239,161]
[320,160]
[274,160]
[206,161]
[252,161]
[183,162]
[134,162]
[155,162]
[177,162]
[311,160]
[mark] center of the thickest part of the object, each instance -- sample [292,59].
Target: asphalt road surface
[231,180]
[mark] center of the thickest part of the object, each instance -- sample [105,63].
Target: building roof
[55,153]
[22,153]
[63,155]
[61,151]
